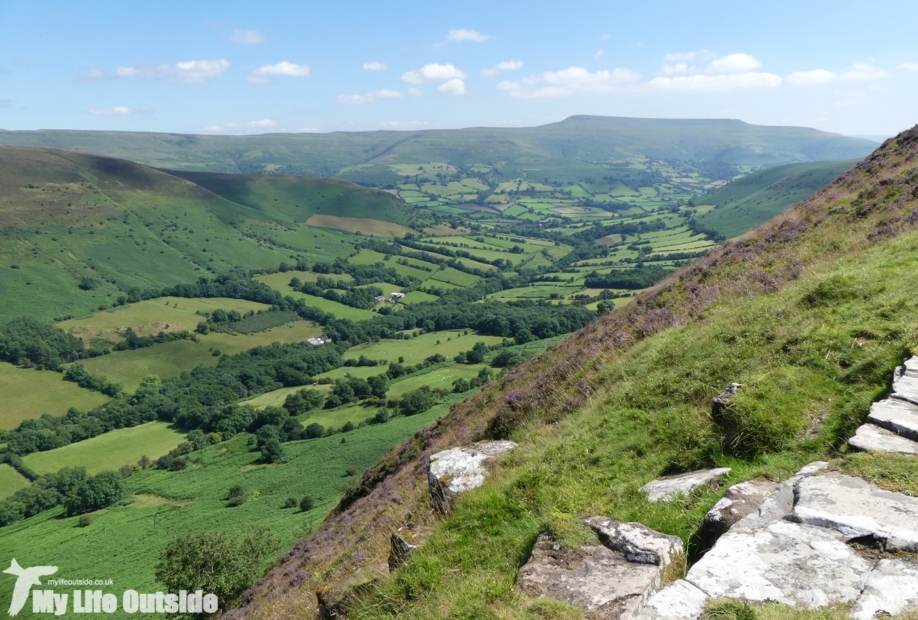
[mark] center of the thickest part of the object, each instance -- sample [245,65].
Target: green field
[10,481]
[170,359]
[417,349]
[441,378]
[109,451]
[148,318]
[333,307]
[28,393]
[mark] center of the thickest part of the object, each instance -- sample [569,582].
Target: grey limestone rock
[891,588]
[403,543]
[739,501]
[670,487]
[905,381]
[896,415]
[680,600]
[871,438]
[458,470]
[598,578]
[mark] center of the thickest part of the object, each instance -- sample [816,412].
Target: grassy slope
[558,149]
[10,481]
[811,313]
[66,216]
[754,199]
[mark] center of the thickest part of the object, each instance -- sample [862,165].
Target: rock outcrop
[796,549]
[739,501]
[670,487]
[403,543]
[892,424]
[608,580]
[458,470]
[723,400]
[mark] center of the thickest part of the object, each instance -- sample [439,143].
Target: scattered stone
[720,402]
[891,588]
[680,600]
[458,470]
[670,487]
[403,543]
[858,509]
[790,563]
[870,438]
[739,501]
[638,542]
[598,580]
[898,416]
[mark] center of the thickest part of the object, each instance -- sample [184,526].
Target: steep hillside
[79,231]
[754,199]
[571,147]
[810,312]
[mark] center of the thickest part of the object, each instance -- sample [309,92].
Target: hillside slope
[77,231]
[754,199]
[811,312]
[577,142]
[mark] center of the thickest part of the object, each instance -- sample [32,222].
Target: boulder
[896,415]
[891,588]
[720,402]
[680,600]
[403,543]
[670,487]
[458,470]
[598,578]
[739,501]
[871,438]
[858,509]
[905,381]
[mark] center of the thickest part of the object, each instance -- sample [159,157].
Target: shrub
[350,471]
[314,430]
[178,464]
[84,521]
[290,503]
[306,504]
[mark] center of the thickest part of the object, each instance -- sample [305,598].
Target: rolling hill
[810,313]
[77,231]
[571,148]
[754,199]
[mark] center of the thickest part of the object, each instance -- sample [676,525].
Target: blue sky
[254,67]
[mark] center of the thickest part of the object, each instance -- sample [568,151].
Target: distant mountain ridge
[572,146]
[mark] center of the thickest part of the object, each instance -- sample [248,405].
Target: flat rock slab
[680,600]
[739,501]
[891,589]
[905,381]
[790,563]
[598,580]
[896,415]
[872,438]
[670,487]
[856,508]
[458,470]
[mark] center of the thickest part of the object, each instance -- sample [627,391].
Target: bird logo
[26,578]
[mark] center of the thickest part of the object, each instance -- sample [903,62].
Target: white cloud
[263,74]
[506,65]
[908,66]
[242,128]
[674,69]
[403,124]
[859,72]
[453,87]
[605,37]
[247,37]
[466,34]
[734,63]
[416,92]
[434,72]
[806,78]
[599,53]
[686,56]
[367,98]
[119,110]
[186,71]
[715,83]
[570,81]
[375,66]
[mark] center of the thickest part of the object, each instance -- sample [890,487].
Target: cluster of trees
[462,385]
[641,276]
[475,355]
[71,487]
[29,343]
[352,389]
[78,374]
[133,341]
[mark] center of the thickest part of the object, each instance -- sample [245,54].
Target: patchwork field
[28,393]
[414,350]
[109,451]
[10,481]
[366,226]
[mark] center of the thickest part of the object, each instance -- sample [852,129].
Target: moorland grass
[29,393]
[110,450]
